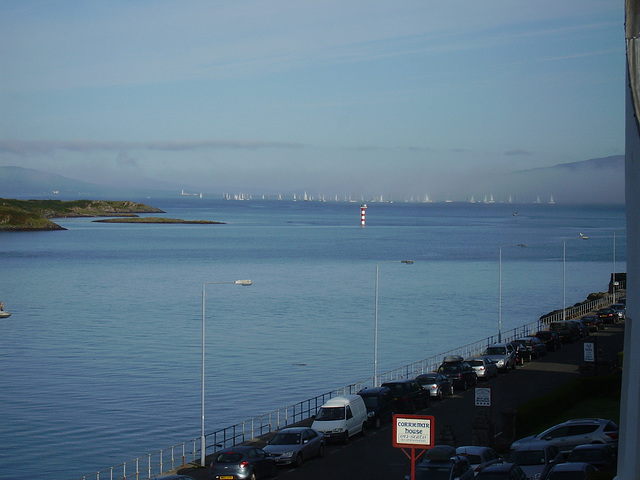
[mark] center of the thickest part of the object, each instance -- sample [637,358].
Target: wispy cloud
[22,147]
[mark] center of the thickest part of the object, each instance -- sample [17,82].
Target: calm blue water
[100,361]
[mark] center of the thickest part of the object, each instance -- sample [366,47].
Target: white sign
[589,352]
[413,430]
[483,397]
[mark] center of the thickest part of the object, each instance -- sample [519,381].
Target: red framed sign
[413,431]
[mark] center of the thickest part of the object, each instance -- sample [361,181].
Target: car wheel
[440,394]
[363,432]
[321,451]
[451,390]
[345,439]
[299,460]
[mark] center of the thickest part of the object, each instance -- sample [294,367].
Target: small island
[136,219]
[35,215]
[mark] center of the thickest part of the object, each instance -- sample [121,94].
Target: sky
[405,98]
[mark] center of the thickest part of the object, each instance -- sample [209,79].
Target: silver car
[575,432]
[294,445]
[503,354]
[484,367]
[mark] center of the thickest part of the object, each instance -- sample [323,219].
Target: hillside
[19,215]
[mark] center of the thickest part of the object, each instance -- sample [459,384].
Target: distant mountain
[19,182]
[613,162]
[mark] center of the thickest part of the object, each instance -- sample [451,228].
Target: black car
[408,395]
[437,384]
[379,402]
[591,322]
[551,339]
[608,316]
[568,331]
[503,471]
[458,371]
[442,463]
[523,354]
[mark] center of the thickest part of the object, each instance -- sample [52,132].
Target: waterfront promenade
[373,456]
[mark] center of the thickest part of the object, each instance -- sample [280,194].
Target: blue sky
[333,97]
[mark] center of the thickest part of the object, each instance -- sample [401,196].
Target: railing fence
[175,456]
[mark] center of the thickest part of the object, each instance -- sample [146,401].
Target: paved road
[374,457]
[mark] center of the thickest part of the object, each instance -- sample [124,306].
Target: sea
[100,361]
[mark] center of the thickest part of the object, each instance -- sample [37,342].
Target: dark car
[379,402]
[536,346]
[592,322]
[442,463]
[536,458]
[503,471]
[582,328]
[572,471]
[458,371]
[551,339]
[294,445]
[437,384]
[479,457]
[408,395]
[568,331]
[608,316]
[242,462]
[522,353]
[601,456]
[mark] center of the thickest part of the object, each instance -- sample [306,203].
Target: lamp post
[500,287]
[375,328]
[203,444]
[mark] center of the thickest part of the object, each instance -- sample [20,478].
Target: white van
[341,417]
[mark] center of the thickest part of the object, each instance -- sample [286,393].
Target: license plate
[226,477]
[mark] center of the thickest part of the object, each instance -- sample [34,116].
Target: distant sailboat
[538,199]
[551,200]
[583,236]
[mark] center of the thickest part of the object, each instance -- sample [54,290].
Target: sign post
[413,432]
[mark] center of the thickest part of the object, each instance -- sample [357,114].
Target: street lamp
[375,328]
[500,288]
[203,444]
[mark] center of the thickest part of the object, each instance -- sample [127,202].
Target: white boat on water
[4,314]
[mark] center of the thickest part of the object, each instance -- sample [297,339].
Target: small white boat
[583,236]
[4,314]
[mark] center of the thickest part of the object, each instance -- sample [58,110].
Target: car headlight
[338,430]
[287,454]
[500,363]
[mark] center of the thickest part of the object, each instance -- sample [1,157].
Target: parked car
[551,339]
[294,445]
[583,331]
[442,463]
[502,471]
[568,331]
[408,395]
[479,457]
[484,367]
[523,354]
[608,316]
[620,309]
[601,456]
[571,471]
[458,371]
[379,402]
[437,384]
[341,417]
[592,322]
[242,462]
[536,458]
[536,346]
[567,435]
[503,354]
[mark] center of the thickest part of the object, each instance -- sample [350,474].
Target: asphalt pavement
[373,456]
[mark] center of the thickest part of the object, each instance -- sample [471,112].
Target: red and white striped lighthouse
[363,209]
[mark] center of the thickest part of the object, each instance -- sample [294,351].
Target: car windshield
[285,439]
[529,457]
[330,413]
[448,368]
[495,351]
[371,402]
[427,380]
[432,473]
[229,457]
[396,388]
[476,363]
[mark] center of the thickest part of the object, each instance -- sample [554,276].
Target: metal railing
[189,452]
